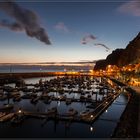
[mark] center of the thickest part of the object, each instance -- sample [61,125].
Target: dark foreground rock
[127,127]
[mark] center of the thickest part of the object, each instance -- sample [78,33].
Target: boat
[92,105]
[26,96]
[72,112]
[6,107]
[52,110]
[61,98]
[85,113]
[89,96]
[94,92]
[82,93]
[47,101]
[45,96]
[15,93]
[2,114]
[68,101]
[35,100]
[70,91]
[17,98]
[89,88]
[82,98]
[6,117]
[17,119]
[3,97]
[1,91]
[33,95]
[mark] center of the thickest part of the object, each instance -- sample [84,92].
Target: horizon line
[61,62]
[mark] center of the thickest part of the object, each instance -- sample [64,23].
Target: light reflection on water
[102,127]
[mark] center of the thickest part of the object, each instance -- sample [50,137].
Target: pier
[89,118]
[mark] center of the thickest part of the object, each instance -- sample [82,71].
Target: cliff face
[132,52]
[122,57]
[112,59]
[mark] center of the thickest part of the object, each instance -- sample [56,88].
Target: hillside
[122,57]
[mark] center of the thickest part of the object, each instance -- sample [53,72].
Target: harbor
[94,94]
[69,69]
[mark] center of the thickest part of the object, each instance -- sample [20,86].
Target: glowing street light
[91,116]
[19,111]
[91,128]
[91,71]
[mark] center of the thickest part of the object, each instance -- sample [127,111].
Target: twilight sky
[77,31]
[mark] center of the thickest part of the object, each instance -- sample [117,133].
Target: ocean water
[40,68]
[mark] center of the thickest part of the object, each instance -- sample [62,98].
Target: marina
[94,94]
[69,69]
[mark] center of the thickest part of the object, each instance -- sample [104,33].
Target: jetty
[89,118]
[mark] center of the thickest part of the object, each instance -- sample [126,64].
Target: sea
[24,68]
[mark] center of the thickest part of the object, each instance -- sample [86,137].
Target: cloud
[102,45]
[88,38]
[12,26]
[132,7]
[61,26]
[25,20]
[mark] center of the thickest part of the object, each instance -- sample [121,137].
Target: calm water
[102,127]
[39,68]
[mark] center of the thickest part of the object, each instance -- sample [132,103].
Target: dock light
[91,116]
[106,111]
[91,128]
[106,102]
[19,111]
[91,71]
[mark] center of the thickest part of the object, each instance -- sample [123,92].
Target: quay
[14,77]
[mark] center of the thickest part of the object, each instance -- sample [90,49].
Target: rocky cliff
[122,57]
